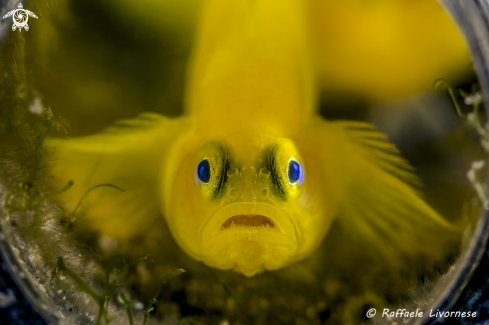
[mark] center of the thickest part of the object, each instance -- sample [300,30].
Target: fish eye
[213,163]
[204,171]
[294,172]
[283,161]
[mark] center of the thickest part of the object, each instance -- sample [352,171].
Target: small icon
[20,17]
[371,312]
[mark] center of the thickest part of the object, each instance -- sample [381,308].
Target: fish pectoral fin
[380,209]
[130,155]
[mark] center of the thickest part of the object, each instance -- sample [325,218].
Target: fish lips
[249,217]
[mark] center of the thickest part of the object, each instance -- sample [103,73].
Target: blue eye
[294,172]
[204,171]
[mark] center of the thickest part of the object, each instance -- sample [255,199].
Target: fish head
[241,202]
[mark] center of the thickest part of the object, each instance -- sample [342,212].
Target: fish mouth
[253,217]
[249,237]
[248,221]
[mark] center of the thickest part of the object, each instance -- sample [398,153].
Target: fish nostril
[232,193]
[264,193]
[233,173]
[264,172]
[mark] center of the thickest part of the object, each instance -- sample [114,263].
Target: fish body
[251,178]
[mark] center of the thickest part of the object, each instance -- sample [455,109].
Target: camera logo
[20,17]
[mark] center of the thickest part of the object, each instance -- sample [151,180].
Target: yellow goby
[251,178]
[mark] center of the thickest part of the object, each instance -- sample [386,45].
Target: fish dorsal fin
[378,204]
[131,155]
